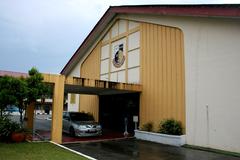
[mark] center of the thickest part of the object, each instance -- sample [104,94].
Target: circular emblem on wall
[119,58]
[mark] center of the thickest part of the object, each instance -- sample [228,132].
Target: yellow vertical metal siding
[91,69]
[162,74]
[91,66]
[89,103]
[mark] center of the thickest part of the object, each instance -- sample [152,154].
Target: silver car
[80,124]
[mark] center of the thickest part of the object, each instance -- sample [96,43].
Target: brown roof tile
[12,74]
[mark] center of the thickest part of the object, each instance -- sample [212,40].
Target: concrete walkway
[131,149]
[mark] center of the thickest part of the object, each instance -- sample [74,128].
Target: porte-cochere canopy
[81,86]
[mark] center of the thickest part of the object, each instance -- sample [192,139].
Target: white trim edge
[161,138]
[79,153]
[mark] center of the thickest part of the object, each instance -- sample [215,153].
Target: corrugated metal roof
[205,10]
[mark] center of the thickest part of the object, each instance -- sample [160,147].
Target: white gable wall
[212,78]
[74,73]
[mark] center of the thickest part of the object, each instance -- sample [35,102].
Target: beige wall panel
[106,37]
[132,25]
[162,74]
[122,26]
[133,75]
[105,66]
[114,30]
[113,77]
[121,76]
[104,77]
[133,40]
[105,52]
[134,58]
[90,69]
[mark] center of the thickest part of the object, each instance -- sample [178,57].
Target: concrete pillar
[57,109]
[30,115]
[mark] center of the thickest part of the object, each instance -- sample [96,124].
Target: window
[72,98]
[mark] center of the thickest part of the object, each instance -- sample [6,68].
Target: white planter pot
[161,138]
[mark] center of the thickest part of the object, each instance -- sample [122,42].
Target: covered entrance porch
[62,84]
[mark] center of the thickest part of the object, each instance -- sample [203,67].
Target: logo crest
[119,57]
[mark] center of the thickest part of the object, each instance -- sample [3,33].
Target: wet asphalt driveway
[132,149]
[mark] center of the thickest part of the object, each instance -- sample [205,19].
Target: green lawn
[35,151]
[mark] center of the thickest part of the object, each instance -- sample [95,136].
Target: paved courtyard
[42,128]
[132,149]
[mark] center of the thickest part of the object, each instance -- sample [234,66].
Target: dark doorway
[113,109]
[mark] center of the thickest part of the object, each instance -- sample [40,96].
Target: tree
[32,88]
[7,96]
[36,88]
[22,91]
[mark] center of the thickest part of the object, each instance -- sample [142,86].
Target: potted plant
[171,127]
[169,132]
[11,131]
[147,127]
[7,127]
[19,135]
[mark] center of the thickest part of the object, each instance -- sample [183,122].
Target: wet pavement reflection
[132,149]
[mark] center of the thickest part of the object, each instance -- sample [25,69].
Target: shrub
[171,126]
[7,127]
[147,127]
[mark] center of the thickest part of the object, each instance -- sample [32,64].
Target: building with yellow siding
[186,59]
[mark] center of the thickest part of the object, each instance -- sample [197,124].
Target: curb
[79,153]
[99,140]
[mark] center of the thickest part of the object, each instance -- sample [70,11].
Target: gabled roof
[219,10]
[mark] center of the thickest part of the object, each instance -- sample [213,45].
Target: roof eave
[108,16]
[230,11]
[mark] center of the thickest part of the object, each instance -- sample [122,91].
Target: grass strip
[36,151]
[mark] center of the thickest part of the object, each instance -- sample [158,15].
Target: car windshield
[12,109]
[81,117]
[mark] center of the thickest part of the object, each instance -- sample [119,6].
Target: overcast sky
[46,33]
